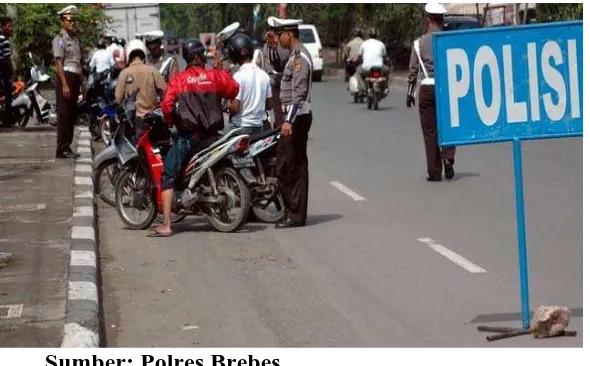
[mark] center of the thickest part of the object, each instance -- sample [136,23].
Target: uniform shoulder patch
[130,79]
[60,42]
[298,64]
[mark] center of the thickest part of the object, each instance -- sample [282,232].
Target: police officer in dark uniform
[67,51]
[421,61]
[295,96]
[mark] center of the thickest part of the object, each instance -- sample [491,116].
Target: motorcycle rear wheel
[239,192]
[140,190]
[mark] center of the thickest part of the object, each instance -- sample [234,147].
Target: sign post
[510,84]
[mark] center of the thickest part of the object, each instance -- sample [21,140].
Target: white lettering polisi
[515,111]
[485,57]
[572,59]
[533,82]
[457,88]
[554,79]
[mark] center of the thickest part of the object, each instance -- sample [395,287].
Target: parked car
[460,22]
[308,35]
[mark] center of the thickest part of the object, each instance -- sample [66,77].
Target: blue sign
[506,83]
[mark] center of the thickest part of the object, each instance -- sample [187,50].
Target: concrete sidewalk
[36,208]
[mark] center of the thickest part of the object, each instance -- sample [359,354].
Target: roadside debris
[4,259]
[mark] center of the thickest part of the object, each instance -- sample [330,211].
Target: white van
[308,35]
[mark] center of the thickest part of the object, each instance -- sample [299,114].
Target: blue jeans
[176,158]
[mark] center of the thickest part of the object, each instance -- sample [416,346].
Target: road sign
[510,84]
[497,84]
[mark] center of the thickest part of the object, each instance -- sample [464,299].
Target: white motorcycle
[30,101]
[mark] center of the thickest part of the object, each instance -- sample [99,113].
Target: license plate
[245,162]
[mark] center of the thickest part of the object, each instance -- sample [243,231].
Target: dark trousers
[7,93]
[292,169]
[67,112]
[434,156]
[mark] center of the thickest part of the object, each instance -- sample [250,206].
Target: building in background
[497,13]
[129,19]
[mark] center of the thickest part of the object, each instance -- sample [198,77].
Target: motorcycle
[97,110]
[375,88]
[30,101]
[203,186]
[354,82]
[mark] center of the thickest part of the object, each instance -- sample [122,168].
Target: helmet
[135,46]
[256,45]
[372,33]
[240,48]
[357,32]
[121,42]
[111,40]
[102,44]
[191,48]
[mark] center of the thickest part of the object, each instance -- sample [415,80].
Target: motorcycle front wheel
[133,191]
[235,198]
[105,180]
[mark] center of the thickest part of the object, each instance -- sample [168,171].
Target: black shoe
[285,224]
[449,170]
[67,155]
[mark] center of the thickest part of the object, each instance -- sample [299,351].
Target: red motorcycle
[212,183]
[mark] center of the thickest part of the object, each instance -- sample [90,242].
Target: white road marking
[84,161]
[83,181]
[84,150]
[85,194]
[347,191]
[83,211]
[83,142]
[190,327]
[83,232]
[82,291]
[452,256]
[83,258]
[82,168]
[17,208]
[13,311]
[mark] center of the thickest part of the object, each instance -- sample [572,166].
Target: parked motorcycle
[212,183]
[31,102]
[375,87]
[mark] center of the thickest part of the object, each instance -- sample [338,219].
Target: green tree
[38,24]
[548,12]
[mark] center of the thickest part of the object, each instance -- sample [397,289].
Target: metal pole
[514,13]
[521,233]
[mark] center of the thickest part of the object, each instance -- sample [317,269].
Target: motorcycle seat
[264,134]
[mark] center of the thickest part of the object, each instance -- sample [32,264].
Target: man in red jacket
[198,93]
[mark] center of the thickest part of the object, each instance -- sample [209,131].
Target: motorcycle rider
[351,52]
[121,60]
[102,60]
[140,76]
[193,89]
[373,53]
[157,58]
[248,109]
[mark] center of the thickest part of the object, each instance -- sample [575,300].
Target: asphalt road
[375,271]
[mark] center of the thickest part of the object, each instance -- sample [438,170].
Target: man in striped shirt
[6,67]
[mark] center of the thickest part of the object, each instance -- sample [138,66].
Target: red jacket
[198,92]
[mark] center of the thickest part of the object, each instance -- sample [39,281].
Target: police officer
[166,64]
[421,61]
[67,51]
[295,95]
[273,58]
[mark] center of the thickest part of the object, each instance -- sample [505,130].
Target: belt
[72,69]
[427,81]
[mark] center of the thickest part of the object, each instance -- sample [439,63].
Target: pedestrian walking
[67,51]
[421,61]
[295,96]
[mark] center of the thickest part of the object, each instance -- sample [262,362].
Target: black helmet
[240,48]
[256,45]
[191,48]
[357,32]
[372,33]
[102,44]
[121,42]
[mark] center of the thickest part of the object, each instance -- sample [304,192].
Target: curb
[82,326]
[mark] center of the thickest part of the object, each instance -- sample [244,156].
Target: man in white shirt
[102,60]
[248,110]
[373,54]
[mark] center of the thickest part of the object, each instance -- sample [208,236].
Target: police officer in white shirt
[102,60]
[373,54]
[248,110]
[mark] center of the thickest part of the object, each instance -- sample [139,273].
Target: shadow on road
[321,219]
[506,317]
[462,175]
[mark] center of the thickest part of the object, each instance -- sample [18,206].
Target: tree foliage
[38,24]
[548,12]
